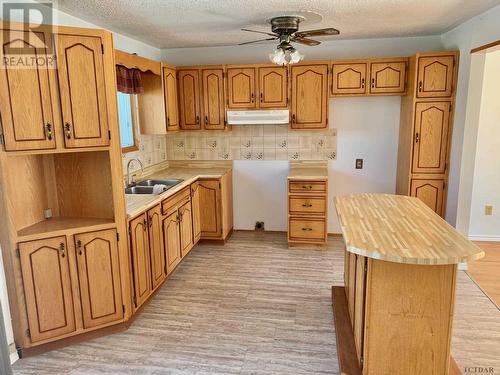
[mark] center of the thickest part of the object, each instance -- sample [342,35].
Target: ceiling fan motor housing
[285,25]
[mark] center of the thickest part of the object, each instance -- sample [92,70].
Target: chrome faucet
[128,169]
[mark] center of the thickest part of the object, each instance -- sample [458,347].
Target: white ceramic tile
[269,154]
[269,142]
[257,142]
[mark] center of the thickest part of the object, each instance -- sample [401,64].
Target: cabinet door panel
[170,96]
[99,277]
[25,96]
[351,288]
[186,228]
[155,236]
[140,259]
[431,137]
[359,305]
[431,192]
[241,88]
[82,90]
[47,288]
[273,87]
[195,205]
[349,79]
[387,77]
[309,96]
[435,76]
[188,82]
[171,238]
[210,208]
[213,99]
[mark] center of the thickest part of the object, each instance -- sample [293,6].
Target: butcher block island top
[400,229]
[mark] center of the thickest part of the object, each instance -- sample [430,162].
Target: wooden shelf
[61,225]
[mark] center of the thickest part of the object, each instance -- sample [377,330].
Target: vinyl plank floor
[251,307]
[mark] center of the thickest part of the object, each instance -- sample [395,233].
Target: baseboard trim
[485,238]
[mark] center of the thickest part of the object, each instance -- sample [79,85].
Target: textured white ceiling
[197,23]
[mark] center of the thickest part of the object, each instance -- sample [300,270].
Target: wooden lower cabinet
[429,191]
[141,265]
[186,228]
[47,288]
[195,205]
[171,238]
[156,247]
[99,277]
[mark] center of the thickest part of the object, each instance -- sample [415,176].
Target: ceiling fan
[286,30]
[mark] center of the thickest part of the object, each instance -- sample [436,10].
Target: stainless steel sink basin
[168,182]
[139,190]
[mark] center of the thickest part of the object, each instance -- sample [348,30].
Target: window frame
[133,110]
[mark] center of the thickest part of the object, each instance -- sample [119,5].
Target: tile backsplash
[253,142]
[152,150]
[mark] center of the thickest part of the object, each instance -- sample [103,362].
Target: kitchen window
[127,117]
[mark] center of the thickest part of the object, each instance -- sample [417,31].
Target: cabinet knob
[48,129]
[67,129]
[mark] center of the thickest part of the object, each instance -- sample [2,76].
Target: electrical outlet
[359,163]
[259,225]
[488,210]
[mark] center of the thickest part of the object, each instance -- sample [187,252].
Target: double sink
[147,186]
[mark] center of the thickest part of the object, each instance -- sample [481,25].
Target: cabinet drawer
[307,186]
[175,201]
[306,229]
[306,205]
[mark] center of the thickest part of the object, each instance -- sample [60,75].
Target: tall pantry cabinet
[62,208]
[426,127]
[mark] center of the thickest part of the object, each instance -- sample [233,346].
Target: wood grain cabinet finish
[82,90]
[359,304]
[188,82]
[435,76]
[195,204]
[47,288]
[429,191]
[388,77]
[349,78]
[241,88]
[431,137]
[213,99]
[139,246]
[170,97]
[273,87]
[172,241]
[156,247]
[306,229]
[210,208]
[26,110]
[186,228]
[99,277]
[309,98]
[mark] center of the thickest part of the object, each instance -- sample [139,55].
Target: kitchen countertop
[138,203]
[308,170]
[400,229]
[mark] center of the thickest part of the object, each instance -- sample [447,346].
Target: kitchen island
[395,313]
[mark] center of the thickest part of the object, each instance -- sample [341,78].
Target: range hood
[260,117]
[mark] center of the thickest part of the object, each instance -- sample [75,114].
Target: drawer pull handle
[67,128]
[307,205]
[61,248]
[79,246]
[48,128]
[307,229]
[307,187]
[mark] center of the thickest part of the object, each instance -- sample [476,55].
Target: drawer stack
[307,212]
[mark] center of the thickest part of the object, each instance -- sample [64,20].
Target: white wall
[476,32]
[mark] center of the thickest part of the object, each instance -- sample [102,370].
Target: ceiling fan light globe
[295,57]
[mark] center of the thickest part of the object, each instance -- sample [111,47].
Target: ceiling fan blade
[317,32]
[257,41]
[260,32]
[306,41]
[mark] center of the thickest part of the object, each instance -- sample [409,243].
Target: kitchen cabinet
[431,137]
[156,247]
[435,75]
[241,88]
[188,81]
[195,204]
[429,191]
[359,304]
[99,277]
[186,228]
[309,95]
[151,105]
[388,77]
[273,87]
[171,236]
[210,208]
[47,288]
[26,109]
[349,78]
[82,90]
[213,99]
[170,96]
[139,246]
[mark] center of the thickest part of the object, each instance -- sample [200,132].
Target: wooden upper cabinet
[155,235]
[388,77]
[213,99]
[186,228]
[172,242]
[435,76]
[431,137]
[47,288]
[210,208]
[241,88]
[195,205]
[82,90]
[431,192]
[273,87]
[25,97]
[349,78]
[188,82]
[139,246]
[309,96]
[99,277]
[151,105]
[170,95]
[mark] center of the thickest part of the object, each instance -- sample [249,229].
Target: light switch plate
[359,163]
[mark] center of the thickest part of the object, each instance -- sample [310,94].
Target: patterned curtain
[128,80]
